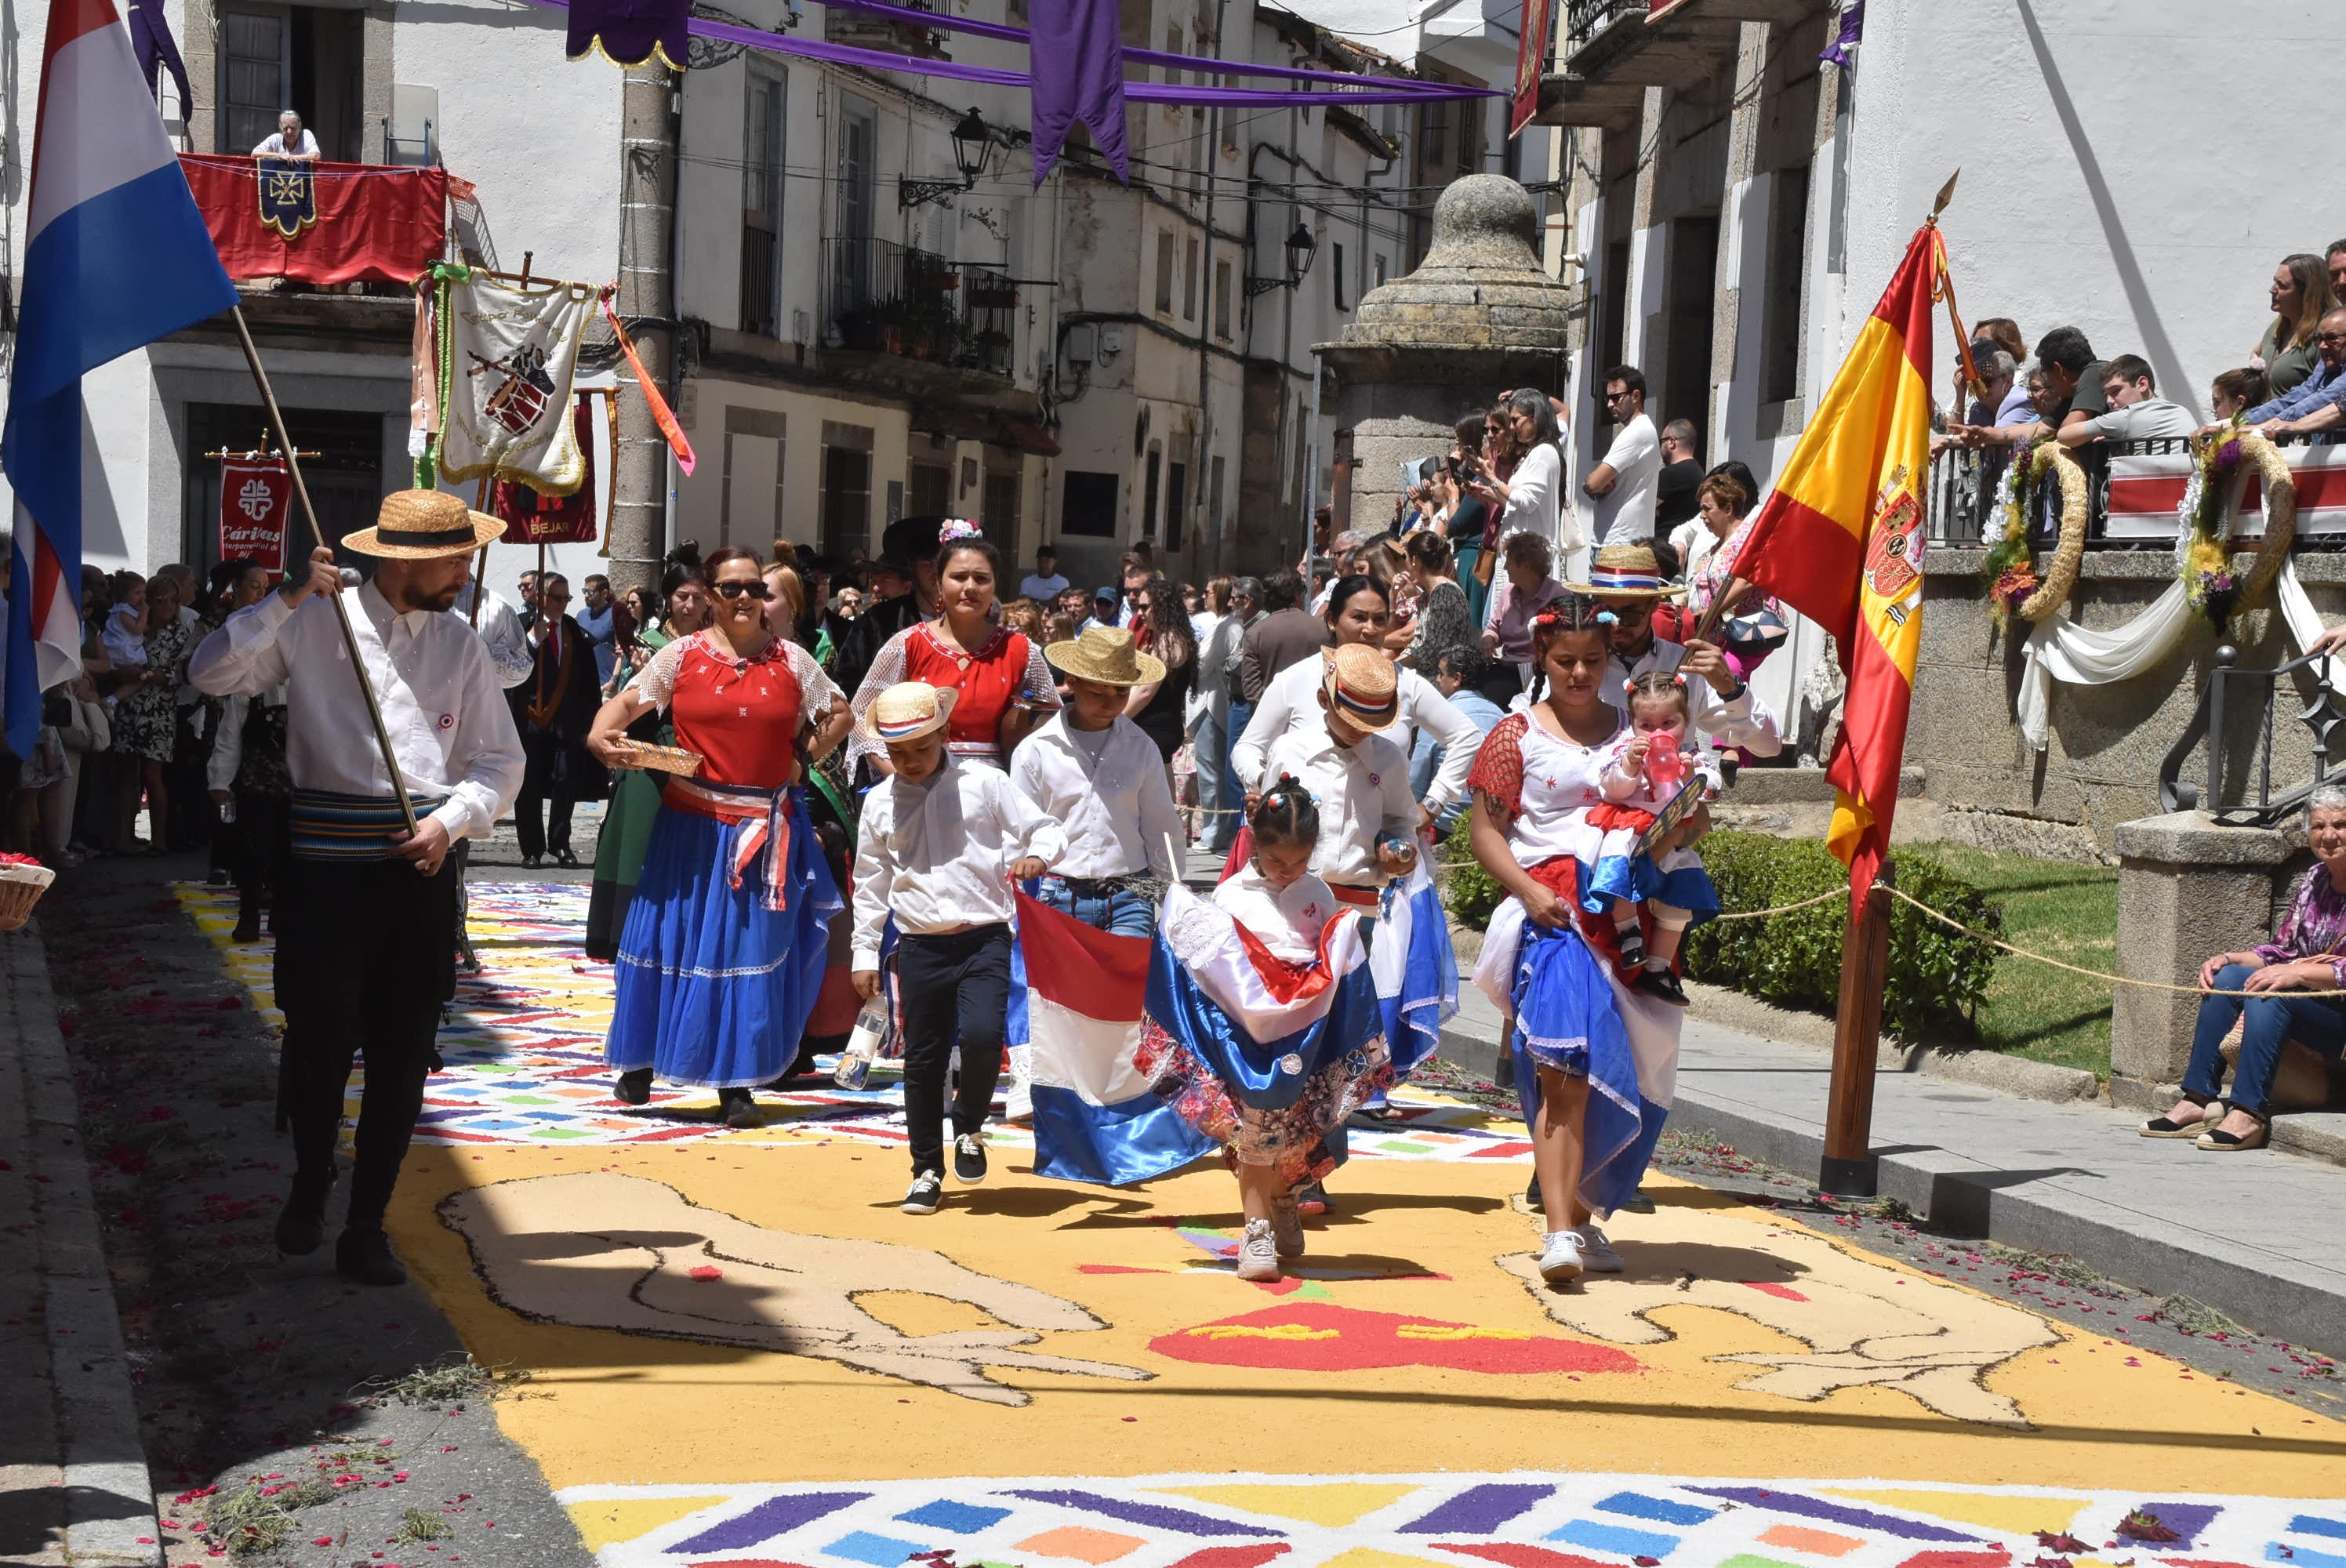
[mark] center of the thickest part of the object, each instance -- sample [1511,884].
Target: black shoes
[738,1109]
[246,931]
[301,1224]
[969,1159]
[364,1257]
[566,860]
[635,1088]
[1662,985]
[532,862]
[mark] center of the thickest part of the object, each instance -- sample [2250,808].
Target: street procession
[1346,806]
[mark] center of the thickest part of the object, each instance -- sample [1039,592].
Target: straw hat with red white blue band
[908,710]
[1626,572]
[1361,684]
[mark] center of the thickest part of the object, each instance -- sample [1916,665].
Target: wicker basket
[673,760]
[21,887]
[2300,1080]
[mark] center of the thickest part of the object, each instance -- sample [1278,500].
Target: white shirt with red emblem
[1288,921]
[1363,793]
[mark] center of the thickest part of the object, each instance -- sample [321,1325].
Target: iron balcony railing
[1966,489]
[1584,19]
[2238,727]
[887,298]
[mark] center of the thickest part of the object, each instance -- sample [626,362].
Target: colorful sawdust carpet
[1518,1521]
[522,1045]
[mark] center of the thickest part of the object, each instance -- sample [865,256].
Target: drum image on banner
[515,353]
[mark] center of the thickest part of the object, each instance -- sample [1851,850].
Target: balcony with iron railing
[863,30]
[2139,515]
[1603,53]
[893,300]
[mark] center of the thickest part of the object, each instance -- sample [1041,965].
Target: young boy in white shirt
[1092,771]
[1368,818]
[939,847]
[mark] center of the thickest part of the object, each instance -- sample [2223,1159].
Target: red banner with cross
[256,504]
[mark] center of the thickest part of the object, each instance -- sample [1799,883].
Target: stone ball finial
[1484,220]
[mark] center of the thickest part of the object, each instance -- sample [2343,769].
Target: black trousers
[547,786]
[257,846]
[365,956]
[957,992]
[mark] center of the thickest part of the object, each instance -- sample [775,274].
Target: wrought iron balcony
[865,31]
[892,299]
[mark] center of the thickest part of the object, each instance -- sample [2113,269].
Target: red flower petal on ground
[705,1271]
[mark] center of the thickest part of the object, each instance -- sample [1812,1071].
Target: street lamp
[973,139]
[1300,248]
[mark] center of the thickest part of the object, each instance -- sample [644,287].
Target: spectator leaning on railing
[2314,407]
[2301,294]
[2136,411]
[2072,375]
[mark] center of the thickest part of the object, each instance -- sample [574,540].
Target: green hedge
[1936,976]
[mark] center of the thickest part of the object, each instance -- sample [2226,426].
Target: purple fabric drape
[630,31]
[1076,66]
[1852,32]
[151,37]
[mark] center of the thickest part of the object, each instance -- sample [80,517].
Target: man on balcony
[291,142]
[2136,412]
[2314,408]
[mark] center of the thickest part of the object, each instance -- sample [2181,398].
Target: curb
[109,1498]
[1965,1200]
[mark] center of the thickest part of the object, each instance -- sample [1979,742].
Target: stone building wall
[2101,764]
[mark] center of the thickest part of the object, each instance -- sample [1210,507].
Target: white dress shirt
[1288,920]
[938,854]
[449,725]
[1118,814]
[500,633]
[1362,792]
[1291,702]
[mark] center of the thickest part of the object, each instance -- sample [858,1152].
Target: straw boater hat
[908,710]
[423,526]
[1105,654]
[1361,686]
[1626,572]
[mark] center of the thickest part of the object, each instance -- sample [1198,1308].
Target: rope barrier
[1903,894]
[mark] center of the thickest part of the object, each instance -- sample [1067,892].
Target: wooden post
[480,570]
[1850,1169]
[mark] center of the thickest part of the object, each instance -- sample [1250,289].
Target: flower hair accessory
[1607,618]
[957,528]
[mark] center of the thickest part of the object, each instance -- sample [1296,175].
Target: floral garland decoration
[2061,576]
[2010,568]
[2209,511]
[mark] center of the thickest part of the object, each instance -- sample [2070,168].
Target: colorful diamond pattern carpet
[1517,1520]
[522,1048]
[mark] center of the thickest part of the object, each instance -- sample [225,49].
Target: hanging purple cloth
[1852,32]
[1077,61]
[630,32]
[151,37]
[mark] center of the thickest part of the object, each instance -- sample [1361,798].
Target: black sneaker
[927,1191]
[635,1088]
[246,931]
[738,1109]
[301,1224]
[365,1257]
[1662,985]
[969,1159]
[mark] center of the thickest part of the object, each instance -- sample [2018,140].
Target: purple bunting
[630,32]
[1852,32]
[1076,63]
[151,40]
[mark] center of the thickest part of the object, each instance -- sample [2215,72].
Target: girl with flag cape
[1595,1062]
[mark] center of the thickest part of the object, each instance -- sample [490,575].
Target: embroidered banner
[1531,60]
[332,223]
[256,508]
[532,518]
[512,354]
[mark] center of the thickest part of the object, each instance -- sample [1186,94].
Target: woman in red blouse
[1006,688]
[724,946]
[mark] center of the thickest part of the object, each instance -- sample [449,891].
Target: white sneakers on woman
[1258,1252]
[1559,1260]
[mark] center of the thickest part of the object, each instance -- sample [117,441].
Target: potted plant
[993,296]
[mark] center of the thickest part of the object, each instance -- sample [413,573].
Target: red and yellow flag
[1840,540]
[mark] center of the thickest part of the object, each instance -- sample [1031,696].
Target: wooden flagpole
[318,533]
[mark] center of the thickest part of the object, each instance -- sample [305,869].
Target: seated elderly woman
[2295,983]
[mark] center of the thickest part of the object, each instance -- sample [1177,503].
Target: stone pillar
[1479,317]
[2187,888]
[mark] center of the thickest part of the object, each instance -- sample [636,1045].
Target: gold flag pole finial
[1946,194]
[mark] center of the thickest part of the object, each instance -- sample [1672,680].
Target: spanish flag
[1840,540]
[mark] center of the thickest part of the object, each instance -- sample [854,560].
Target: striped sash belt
[327,826]
[761,826]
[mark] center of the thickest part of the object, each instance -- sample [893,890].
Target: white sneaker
[1559,1260]
[1596,1254]
[1257,1253]
[925,1193]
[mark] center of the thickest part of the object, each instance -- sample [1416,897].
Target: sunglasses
[757,591]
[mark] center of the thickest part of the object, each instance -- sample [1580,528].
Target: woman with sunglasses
[1003,688]
[724,947]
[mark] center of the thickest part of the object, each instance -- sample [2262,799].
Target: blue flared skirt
[714,989]
[1568,1021]
[1638,880]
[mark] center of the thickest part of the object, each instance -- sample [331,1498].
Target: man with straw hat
[367,915]
[1098,775]
[938,847]
[1626,581]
